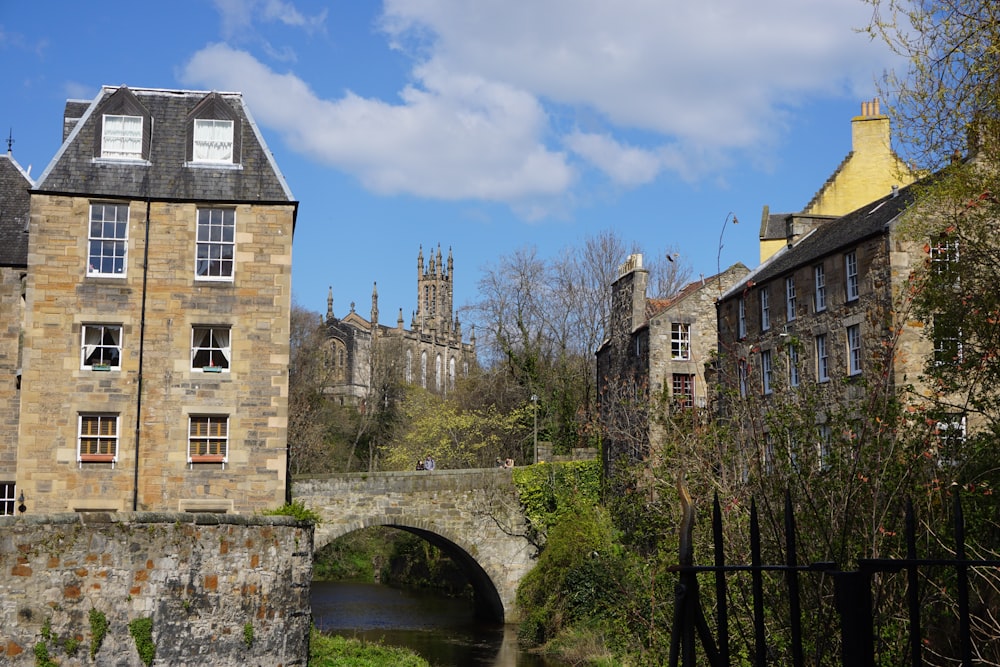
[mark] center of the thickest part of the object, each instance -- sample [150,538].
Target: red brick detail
[20,571]
[72,592]
[12,650]
[211,582]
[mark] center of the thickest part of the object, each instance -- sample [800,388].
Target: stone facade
[430,354]
[14,215]
[833,319]
[473,515]
[654,358]
[155,365]
[219,590]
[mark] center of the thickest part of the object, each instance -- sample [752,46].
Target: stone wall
[11,317]
[220,589]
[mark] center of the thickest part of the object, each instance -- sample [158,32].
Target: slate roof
[15,201]
[841,233]
[165,176]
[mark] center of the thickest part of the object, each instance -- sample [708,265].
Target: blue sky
[482,126]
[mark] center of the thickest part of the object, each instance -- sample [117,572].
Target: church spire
[329,303]
[374,305]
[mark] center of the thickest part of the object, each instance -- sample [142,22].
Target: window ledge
[98,458]
[135,162]
[214,165]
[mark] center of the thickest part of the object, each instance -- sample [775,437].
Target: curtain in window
[210,347]
[213,140]
[122,136]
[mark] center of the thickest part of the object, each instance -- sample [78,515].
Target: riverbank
[327,651]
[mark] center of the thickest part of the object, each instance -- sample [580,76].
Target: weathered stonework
[221,590]
[474,515]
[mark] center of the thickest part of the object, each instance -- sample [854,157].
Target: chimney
[870,130]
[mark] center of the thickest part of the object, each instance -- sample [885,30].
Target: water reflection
[442,630]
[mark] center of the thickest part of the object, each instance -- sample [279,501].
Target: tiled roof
[166,176]
[14,204]
[841,233]
[655,306]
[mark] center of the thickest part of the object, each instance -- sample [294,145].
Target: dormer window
[125,128]
[213,141]
[213,133]
[121,138]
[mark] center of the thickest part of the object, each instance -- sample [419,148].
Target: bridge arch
[472,515]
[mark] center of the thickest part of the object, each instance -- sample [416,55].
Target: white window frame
[943,254]
[822,359]
[947,343]
[793,366]
[743,372]
[741,331]
[215,247]
[765,309]
[819,276]
[854,349]
[680,341]
[120,138]
[211,348]
[766,372]
[8,498]
[107,241]
[213,141]
[104,340]
[823,447]
[851,273]
[105,442]
[944,431]
[790,298]
[201,443]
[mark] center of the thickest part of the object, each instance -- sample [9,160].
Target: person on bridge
[420,464]
[428,463]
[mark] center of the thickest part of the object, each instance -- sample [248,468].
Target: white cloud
[625,165]
[456,137]
[507,99]
[716,72]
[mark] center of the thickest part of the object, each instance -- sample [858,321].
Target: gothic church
[430,353]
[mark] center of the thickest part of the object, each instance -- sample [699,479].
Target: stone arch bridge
[472,515]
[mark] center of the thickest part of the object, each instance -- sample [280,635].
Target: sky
[484,126]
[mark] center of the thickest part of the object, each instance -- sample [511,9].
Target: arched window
[437,372]
[423,370]
[451,373]
[409,367]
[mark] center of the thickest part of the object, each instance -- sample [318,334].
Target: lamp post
[534,402]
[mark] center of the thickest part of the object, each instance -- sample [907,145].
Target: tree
[311,416]
[950,91]
[542,321]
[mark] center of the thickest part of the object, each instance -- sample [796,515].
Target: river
[440,629]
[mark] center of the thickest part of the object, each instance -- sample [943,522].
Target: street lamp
[534,402]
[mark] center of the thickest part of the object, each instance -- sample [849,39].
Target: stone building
[653,360]
[868,172]
[825,314]
[430,353]
[14,205]
[156,332]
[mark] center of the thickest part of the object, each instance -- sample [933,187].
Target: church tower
[434,293]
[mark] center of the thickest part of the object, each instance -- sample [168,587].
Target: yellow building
[869,172]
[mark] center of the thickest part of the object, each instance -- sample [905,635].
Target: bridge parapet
[474,515]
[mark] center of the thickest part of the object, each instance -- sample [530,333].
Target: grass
[326,651]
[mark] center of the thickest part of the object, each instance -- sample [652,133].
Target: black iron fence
[852,596]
